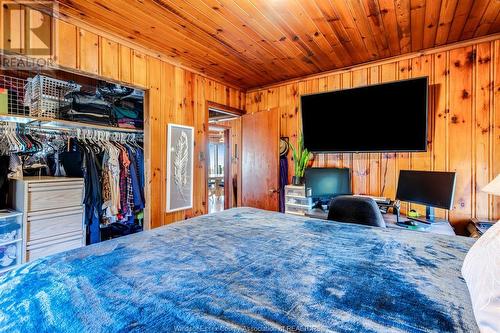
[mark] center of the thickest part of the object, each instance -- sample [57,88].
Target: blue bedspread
[246,269]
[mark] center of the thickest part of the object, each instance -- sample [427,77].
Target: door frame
[227,159]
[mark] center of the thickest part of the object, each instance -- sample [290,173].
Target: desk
[443,228]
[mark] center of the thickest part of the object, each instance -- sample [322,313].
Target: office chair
[359,210]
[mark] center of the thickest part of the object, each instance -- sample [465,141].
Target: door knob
[273,190]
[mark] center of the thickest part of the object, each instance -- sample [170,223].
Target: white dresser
[53,214]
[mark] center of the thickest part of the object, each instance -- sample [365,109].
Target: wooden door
[260,160]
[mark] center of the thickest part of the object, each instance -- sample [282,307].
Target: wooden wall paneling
[495,125]
[200,151]
[125,54]
[306,87]
[283,110]
[483,88]
[403,159]
[439,135]
[461,62]
[374,158]
[334,160]
[168,115]
[155,125]
[388,162]
[109,59]
[292,109]
[66,45]
[359,161]
[15,40]
[346,81]
[88,55]
[139,69]
[321,160]
[464,123]
[422,66]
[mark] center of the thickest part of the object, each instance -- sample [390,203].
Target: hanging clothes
[283,181]
[112,167]
[4,181]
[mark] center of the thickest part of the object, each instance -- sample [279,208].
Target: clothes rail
[63,124]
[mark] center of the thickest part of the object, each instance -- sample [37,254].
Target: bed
[246,269]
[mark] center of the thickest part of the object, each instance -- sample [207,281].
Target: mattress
[246,269]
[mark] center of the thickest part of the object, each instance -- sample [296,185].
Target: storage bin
[296,191]
[10,226]
[10,255]
[45,96]
[296,202]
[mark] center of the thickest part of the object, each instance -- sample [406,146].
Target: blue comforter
[246,269]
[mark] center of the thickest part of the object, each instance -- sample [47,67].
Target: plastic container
[11,235]
[10,225]
[10,256]
[45,95]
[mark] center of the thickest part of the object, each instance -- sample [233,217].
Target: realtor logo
[27,29]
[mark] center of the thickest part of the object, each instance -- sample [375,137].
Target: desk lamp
[493,187]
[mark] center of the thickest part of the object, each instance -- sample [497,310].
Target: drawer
[295,191]
[10,255]
[298,201]
[10,226]
[54,223]
[47,249]
[44,196]
[295,210]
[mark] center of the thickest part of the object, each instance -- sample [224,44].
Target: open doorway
[223,162]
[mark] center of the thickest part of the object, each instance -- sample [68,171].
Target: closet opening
[223,157]
[73,152]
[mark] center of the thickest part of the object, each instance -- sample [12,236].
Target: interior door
[260,160]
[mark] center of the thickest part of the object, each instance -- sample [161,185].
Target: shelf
[295,213]
[11,242]
[51,123]
[295,196]
[297,205]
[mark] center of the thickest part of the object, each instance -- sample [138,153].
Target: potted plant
[301,157]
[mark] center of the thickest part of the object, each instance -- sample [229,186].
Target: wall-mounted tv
[389,117]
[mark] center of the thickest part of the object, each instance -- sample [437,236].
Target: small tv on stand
[429,188]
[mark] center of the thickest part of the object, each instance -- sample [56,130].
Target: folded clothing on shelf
[89,108]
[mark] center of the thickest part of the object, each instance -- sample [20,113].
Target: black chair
[359,210]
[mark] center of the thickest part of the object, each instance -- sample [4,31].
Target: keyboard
[379,200]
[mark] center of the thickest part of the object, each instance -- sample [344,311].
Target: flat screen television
[389,117]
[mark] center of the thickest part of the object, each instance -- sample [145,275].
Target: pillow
[481,271]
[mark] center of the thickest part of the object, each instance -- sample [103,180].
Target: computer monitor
[429,188]
[325,183]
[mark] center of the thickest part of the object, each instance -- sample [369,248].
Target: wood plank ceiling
[250,43]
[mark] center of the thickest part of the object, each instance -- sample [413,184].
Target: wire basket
[13,89]
[45,96]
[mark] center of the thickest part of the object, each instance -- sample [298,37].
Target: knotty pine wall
[464,123]
[174,94]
